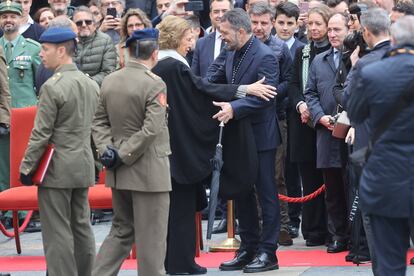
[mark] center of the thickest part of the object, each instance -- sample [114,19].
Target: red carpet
[287,258]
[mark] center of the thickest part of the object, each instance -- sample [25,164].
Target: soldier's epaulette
[57,76]
[152,75]
[34,42]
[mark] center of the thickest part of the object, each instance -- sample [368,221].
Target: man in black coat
[387,183]
[375,24]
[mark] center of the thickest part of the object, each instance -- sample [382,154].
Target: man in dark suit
[209,47]
[262,17]
[386,185]
[248,60]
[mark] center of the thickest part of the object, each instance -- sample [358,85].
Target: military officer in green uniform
[67,104]
[22,59]
[132,137]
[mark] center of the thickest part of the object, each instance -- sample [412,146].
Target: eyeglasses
[136,25]
[161,5]
[79,23]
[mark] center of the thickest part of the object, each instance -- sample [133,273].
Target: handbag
[342,125]
[359,157]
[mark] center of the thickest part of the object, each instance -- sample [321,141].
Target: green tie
[9,51]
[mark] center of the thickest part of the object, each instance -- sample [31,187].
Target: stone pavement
[32,246]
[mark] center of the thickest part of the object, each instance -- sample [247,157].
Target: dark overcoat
[387,182]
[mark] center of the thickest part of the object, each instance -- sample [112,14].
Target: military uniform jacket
[4,91]
[65,113]
[131,117]
[22,66]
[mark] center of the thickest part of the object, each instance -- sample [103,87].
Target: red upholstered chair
[19,197]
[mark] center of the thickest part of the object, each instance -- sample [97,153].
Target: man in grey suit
[131,135]
[67,104]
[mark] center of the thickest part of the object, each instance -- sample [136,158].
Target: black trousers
[336,203]
[251,238]
[314,226]
[181,239]
[391,237]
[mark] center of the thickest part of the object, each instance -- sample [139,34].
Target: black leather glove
[4,129]
[110,158]
[26,179]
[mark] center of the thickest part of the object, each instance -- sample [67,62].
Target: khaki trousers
[68,240]
[140,217]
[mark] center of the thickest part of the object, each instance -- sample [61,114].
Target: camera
[353,40]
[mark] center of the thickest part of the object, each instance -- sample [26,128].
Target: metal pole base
[228,245]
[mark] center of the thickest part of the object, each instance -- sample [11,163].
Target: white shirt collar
[290,42]
[162,54]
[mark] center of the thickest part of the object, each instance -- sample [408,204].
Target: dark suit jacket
[259,62]
[387,181]
[362,130]
[203,55]
[295,46]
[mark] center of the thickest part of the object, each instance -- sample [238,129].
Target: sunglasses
[80,22]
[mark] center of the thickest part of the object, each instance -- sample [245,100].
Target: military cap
[57,35]
[10,7]
[141,35]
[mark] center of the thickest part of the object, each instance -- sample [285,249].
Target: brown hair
[36,16]
[124,21]
[172,29]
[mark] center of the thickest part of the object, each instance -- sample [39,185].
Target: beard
[8,29]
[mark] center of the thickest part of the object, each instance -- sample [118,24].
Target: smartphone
[194,6]
[111,11]
[303,7]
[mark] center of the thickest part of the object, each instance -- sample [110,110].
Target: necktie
[222,44]
[9,51]
[336,58]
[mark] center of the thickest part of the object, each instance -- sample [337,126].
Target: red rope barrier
[304,198]
[21,228]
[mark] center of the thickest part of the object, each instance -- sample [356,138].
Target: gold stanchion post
[231,243]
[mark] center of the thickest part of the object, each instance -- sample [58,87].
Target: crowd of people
[310,93]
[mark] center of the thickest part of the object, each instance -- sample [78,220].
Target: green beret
[10,7]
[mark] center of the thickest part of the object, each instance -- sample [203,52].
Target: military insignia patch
[162,99]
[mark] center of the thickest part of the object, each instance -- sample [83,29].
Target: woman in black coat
[302,137]
[193,136]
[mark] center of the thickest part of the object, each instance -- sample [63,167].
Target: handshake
[110,158]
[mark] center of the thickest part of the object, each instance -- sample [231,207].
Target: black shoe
[262,262]
[241,259]
[312,242]
[349,257]
[221,227]
[195,270]
[336,247]
[361,259]
[293,231]
[5,274]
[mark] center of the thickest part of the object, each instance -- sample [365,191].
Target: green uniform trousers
[147,214]
[68,240]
